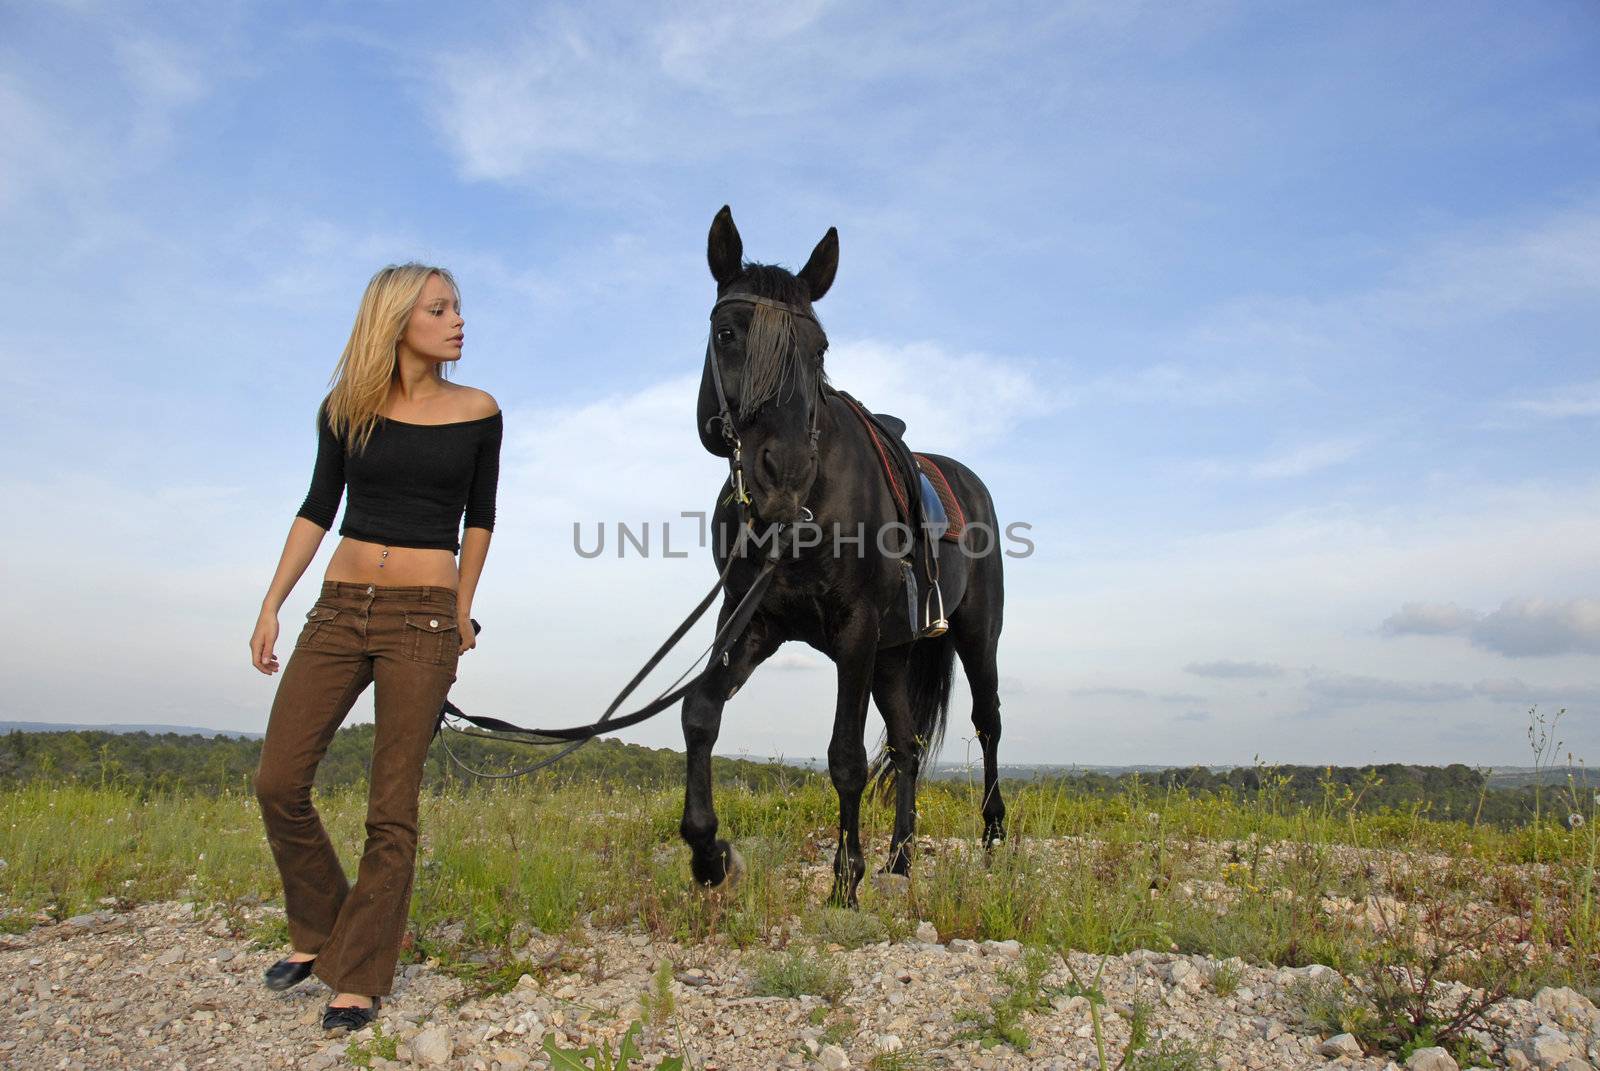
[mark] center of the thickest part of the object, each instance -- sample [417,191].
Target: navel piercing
[383,557]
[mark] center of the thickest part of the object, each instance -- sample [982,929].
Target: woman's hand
[261,642]
[469,635]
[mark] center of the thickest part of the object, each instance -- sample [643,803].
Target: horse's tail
[928,682]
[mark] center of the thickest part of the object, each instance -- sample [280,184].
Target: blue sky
[1276,322]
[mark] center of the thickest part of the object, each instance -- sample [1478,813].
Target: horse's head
[761,389]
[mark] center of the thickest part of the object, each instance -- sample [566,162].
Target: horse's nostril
[769,462]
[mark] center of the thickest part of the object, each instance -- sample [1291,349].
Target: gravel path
[169,986]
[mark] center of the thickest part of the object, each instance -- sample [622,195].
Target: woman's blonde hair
[366,369]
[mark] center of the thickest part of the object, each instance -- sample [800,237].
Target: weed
[1225,978]
[1024,992]
[1172,1056]
[601,1058]
[381,1045]
[270,932]
[1328,1006]
[799,973]
[839,1031]
[844,927]
[902,1059]
[658,1002]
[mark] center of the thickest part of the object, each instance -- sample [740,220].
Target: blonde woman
[415,451]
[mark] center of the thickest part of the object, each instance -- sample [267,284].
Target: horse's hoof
[889,884]
[732,871]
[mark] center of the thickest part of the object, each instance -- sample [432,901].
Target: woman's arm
[298,550]
[305,536]
[474,550]
[479,523]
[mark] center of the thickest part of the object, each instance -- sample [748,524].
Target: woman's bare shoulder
[474,403]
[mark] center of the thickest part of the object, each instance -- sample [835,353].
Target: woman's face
[435,330]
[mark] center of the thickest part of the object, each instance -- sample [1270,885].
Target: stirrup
[932,626]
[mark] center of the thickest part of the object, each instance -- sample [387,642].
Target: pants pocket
[431,638]
[315,632]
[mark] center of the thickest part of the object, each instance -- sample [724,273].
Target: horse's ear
[824,264]
[724,248]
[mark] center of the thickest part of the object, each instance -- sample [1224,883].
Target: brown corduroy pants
[405,640]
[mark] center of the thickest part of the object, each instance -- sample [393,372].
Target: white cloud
[1519,691]
[1429,619]
[1290,463]
[1452,284]
[951,402]
[578,85]
[1109,692]
[1230,670]
[1348,688]
[634,456]
[1523,627]
[792,658]
[1520,628]
[1574,400]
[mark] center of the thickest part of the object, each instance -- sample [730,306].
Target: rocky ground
[172,987]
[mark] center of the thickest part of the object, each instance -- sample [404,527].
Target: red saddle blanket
[955,516]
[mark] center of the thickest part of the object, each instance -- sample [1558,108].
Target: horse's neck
[842,445]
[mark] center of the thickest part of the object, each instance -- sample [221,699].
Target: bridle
[724,416]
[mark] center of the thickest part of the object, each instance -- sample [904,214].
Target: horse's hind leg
[890,691]
[711,859]
[975,644]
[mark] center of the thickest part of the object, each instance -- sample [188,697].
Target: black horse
[806,454]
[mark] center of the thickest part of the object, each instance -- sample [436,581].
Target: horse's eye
[724,335]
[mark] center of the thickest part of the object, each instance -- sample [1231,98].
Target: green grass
[1001,1023]
[1097,874]
[799,973]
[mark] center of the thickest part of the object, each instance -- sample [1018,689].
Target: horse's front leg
[712,860]
[855,649]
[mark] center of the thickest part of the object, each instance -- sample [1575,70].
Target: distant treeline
[169,762]
[1450,793]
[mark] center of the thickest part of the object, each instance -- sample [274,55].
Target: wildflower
[1574,821]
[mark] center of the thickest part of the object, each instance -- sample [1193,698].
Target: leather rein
[730,631]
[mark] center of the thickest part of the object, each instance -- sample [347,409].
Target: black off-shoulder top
[412,484]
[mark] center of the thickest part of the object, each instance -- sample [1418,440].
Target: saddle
[934,508]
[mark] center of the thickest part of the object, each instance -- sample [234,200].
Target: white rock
[1549,1048]
[432,1047]
[927,933]
[1340,1045]
[833,1058]
[1565,1005]
[1434,1059]
[890,1043]
[1185,976]
[510,1059]
[1003,949]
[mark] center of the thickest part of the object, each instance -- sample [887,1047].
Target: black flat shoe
[349,1018]
[283,974]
